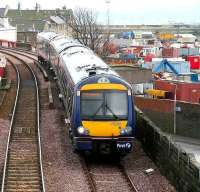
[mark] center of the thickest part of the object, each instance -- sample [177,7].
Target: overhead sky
[126,11]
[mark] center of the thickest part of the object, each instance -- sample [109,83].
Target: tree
[85,28]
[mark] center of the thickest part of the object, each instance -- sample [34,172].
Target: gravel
[5,110]
[62,167]
[136,163]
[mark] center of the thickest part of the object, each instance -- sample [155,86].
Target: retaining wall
[179,167]
[161,112]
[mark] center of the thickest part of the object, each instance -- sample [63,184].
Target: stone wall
[188,120]
[175,164]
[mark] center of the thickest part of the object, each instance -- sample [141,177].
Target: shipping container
[147,35]
[138,89]
[138,35]
[149,57]
[179,66]
[2,71]
[185,91]
[194,62]
[188,51]
[147,86]
[128,35]
[194,77]
[166,36]
[170,52]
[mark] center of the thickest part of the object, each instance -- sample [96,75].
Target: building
[140,79]
[8,33]
[31,21]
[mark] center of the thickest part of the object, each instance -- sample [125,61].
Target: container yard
[91,106]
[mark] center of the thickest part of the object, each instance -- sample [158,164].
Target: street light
[174,84]
[108,18]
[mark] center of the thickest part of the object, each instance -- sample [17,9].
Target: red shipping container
[194,62]
[2,69]
[185,91]
[170,52]
[148,57]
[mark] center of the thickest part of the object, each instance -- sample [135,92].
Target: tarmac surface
[189,145]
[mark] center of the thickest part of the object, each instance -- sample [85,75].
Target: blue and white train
[98,103]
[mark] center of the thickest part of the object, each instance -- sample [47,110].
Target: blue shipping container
[180,67]
[194,77]
[188,51]
[128,35]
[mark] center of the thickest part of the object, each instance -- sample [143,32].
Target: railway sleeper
[15,166]
[23,178]
[29,181]
[22,190]
[21,175]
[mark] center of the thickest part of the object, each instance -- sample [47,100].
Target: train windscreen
[104,105]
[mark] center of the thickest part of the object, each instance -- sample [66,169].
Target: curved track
[30,55]
[23,162]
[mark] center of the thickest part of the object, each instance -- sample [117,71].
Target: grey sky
[126,11]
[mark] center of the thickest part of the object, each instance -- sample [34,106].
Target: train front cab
[103,118]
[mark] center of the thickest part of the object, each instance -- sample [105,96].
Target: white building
[8,34]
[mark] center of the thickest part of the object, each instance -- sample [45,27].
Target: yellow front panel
[104,128]
[105,86]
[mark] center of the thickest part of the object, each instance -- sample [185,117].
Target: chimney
[37,7]
[19,6]
[6,10]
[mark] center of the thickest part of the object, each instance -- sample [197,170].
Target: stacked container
[185,91]
[194,62]
[170,52]
[188,51]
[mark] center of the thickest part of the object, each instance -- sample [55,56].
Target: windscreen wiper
[94,115]
[114,115]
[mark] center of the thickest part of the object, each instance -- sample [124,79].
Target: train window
[116,103]
[91,104]
[104,105]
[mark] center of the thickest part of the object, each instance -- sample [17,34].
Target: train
[98,103]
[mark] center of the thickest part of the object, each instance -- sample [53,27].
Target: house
[31,21]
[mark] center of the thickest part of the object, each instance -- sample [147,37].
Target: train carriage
[98,102]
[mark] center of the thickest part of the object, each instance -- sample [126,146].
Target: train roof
[81,61]
[61,43]
[47,35]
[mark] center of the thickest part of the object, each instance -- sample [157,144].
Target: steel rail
[19,49]
[11,127]
[29,57]
[88,174]
[38,124]
[127,177]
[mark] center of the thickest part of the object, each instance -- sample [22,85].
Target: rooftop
[29,20]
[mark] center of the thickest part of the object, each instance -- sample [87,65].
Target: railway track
[23,162]
[29,55]
[111,178]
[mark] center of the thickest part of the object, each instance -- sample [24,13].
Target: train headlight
[126,131]
[82,131]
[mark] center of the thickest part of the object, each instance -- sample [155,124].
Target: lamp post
[174,122]
[108,17]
